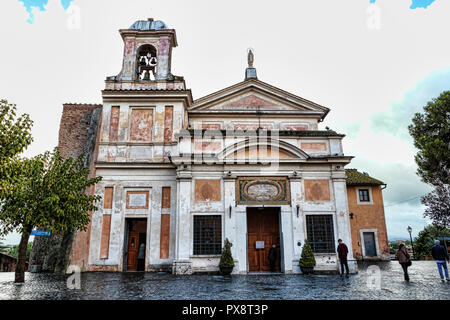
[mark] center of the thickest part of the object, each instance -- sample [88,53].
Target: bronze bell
[146,75]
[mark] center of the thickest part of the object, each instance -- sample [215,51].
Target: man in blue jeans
[441,256]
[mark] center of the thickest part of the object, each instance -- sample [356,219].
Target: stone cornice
[129,33]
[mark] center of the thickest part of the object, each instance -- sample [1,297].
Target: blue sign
[41,233]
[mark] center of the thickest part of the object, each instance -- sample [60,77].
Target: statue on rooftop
[251,58]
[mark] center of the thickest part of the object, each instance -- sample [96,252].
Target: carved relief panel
[263,190]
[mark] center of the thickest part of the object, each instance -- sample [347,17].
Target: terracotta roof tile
[356,178]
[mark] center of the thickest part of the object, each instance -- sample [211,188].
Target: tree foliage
[3,247]
[425,240]
[307,258]
[438,205]
[15,132]
[431,133]
[226,260]
[48,192]
[14,250]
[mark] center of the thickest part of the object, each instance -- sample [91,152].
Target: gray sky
[374,80]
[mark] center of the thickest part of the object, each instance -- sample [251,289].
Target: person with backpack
[441,256]
[404,259]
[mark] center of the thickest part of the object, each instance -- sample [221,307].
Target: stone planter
[307,270]
[226,270]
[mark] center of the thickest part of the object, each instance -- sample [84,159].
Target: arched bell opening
[146,62]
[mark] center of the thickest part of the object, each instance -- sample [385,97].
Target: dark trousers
[141,265]
[344,264]
[272,265]
[405,271]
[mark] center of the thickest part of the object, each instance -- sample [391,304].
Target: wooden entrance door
[262,226]
[133,247]
[369,244]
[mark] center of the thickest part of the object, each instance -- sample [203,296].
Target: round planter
[307,270]
[226,270]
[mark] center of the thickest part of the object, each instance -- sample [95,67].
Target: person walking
[441,256]
[404,259]
[342,254]
[272,257]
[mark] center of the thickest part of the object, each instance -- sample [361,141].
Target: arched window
[146,64]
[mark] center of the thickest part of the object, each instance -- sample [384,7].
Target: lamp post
[412,244]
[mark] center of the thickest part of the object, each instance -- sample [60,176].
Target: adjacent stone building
[247,163]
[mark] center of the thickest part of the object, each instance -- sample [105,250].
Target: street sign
[41,233]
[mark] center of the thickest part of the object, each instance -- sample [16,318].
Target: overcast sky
[373,65]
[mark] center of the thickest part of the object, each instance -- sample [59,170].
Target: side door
[133,247]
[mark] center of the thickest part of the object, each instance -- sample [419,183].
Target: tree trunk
[64,253]
[22,259]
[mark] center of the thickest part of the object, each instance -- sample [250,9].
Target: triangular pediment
[254,95]
[250,101]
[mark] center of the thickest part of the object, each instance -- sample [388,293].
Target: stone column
[230,220]
[342,229]
[297,222]
[163,67]
[182,263]
[287,234]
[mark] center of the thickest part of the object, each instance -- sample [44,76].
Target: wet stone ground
[387,284]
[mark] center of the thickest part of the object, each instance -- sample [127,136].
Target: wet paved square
[425,284]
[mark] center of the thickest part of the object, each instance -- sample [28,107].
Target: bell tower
[147,58]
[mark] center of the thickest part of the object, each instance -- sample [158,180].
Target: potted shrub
[307,261]
[226,264]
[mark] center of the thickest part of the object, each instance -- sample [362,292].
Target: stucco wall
[367,217]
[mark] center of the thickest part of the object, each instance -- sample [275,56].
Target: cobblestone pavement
[425,284]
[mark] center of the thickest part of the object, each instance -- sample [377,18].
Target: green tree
[425,240]
[431,133]
[15,133]
[3,247]
[48,192]
[307,258]
[226,260]
[15,137]
[14,251]
[438,205]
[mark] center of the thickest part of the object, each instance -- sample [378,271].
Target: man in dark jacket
[441,256]
[342,254]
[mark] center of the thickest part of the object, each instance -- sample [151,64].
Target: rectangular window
[320,233]
[207,235]
[364,195]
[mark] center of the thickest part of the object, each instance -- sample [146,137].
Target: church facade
[247,163]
